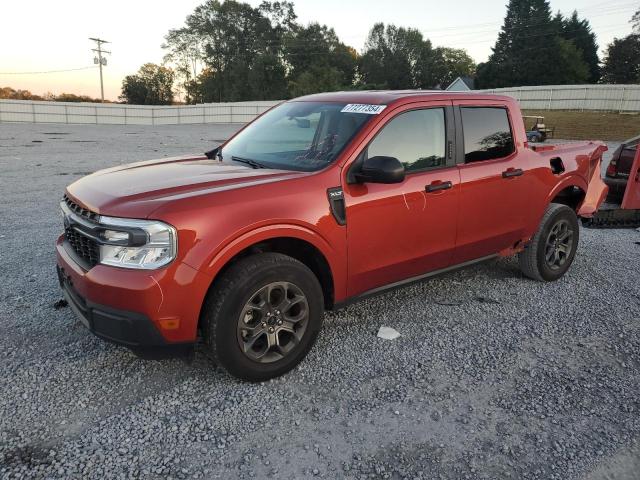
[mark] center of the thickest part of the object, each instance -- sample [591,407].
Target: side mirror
[381,170]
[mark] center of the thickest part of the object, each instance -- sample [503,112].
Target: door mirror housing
[381,170]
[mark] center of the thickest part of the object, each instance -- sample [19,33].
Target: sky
[43,35]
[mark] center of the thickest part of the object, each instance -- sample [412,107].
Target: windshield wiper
[248,161]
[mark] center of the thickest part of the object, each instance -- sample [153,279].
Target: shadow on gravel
[28,456]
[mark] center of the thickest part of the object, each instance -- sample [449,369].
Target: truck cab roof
[387,97]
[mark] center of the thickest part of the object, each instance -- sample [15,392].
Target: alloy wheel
[559,244]
[272,322]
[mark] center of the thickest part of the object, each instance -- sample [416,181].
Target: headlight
[144,244]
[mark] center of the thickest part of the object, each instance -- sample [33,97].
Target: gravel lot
[494,376]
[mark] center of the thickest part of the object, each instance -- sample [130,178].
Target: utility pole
[100,60]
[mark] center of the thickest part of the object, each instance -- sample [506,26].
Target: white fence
[615,98]
[115,114]
[612,98]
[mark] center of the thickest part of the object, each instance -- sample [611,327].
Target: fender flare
[573,180]
[231,247]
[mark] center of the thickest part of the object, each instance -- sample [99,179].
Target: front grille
[85,248]
[78,210]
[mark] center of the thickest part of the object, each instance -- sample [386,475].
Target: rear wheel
[554,245]
[263,316]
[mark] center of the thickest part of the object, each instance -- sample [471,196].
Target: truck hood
[135,190]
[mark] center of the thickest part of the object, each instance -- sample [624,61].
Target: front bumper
[118,326]
[137,308]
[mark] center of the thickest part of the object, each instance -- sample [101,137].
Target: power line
[48,71]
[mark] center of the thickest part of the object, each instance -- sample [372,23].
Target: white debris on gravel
[388,333]
[518,379]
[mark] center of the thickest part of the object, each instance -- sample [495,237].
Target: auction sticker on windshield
[363,108]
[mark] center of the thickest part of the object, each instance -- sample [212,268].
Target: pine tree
[531,51]
[579,32]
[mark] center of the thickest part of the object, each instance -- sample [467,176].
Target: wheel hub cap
[559,245]
[272,322]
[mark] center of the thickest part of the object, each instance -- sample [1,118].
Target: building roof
[463,83]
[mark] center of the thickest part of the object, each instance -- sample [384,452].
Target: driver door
[404,230]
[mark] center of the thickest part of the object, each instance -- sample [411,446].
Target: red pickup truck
[320,201]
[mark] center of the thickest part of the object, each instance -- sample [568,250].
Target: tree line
[18,94]
[535,47]
[230,51]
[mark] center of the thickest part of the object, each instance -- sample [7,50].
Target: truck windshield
[304,136]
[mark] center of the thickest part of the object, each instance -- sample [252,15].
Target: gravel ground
[494,376]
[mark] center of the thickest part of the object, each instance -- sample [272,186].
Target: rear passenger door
[494,180]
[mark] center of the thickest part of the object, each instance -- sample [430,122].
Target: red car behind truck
[320,201]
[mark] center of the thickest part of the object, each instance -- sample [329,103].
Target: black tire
[534,260]
[235,290]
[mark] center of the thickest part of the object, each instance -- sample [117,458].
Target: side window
[487,134]
[416,138]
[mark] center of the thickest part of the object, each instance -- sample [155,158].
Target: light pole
[100,61]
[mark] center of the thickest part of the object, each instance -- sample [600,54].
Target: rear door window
[487,133]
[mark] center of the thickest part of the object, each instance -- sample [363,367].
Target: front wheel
[554,245]
[263,316]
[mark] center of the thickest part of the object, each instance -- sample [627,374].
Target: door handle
[512,172]
[436,186]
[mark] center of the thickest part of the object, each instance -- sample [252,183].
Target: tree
[394,58]
[232,51]
[622,60]
[317,60]
[185,53]
[579,32]
[635,21]
[241,47]
[451,63]
[316,79]
[530,50]
[12,94]
[398,58]
[152,85]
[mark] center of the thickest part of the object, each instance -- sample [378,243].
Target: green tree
[622,60]
[579,32]
[635,21]
[241,47]
[395,58]
[316,79]
[530,50]
[317,60]
[184,52]
[574,68]
[152,85]
[449,64]
[398,58]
